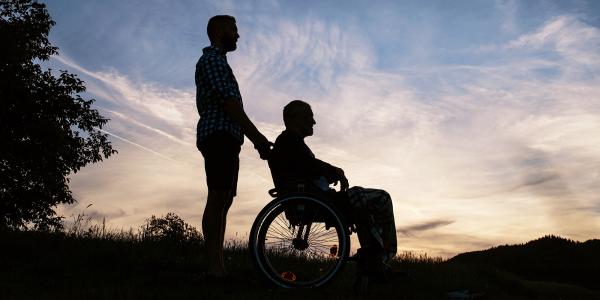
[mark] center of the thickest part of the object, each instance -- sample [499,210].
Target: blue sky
[481,118]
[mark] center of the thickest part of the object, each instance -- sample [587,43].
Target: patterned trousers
[374,215]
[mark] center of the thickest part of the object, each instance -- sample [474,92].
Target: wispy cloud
[566,37]
[508,10]
[167,111]
[137,145]
[412,229]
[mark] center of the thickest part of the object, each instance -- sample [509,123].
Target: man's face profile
[305,121]
[229,36]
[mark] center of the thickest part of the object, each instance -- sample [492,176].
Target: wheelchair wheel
[298,241]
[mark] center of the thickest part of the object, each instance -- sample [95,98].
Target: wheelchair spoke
[330,240]
[279,221]
[322,234]
[277,232]
[323,241]
[280,230]
[278,242]
[319,229]
[325,234]
[278,238]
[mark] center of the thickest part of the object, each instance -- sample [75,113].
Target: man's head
[298,117]
[222,32]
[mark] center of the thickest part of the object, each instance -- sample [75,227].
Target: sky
[480,118]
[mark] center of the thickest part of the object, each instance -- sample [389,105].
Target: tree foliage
[47,129]
[169,227]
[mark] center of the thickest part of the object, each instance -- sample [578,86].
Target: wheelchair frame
[296,207]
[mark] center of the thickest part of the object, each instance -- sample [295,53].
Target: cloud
[412,229]
[137,145]
[566,37]
[167,111]
[293,57]
[508,9]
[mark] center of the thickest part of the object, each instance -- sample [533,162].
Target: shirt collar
[213,49]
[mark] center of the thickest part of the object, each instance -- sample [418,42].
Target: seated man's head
[298,118]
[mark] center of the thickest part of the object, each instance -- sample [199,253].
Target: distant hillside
[550,258]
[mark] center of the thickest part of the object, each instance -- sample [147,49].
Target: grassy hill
[35,265]
[550,258]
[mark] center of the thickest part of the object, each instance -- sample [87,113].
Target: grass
[96,264]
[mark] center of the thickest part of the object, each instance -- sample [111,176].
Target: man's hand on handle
[263,146]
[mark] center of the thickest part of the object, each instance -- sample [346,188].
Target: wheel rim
[306,262]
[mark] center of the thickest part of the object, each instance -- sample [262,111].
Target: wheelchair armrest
[291,187]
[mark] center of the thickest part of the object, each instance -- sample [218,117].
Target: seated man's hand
[342,180]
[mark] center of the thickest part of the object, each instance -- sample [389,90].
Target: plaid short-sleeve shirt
[215,84]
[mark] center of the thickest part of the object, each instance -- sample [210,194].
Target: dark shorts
[221,161]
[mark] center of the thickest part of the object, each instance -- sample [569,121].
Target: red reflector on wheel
[288,275]
[333,251]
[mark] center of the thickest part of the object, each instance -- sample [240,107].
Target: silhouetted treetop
[170,227]
[47,129]
[25,26]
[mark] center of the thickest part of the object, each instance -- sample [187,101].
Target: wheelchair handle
[274,193]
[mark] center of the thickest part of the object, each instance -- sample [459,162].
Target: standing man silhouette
[220,134]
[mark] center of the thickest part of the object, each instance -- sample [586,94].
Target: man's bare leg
[213,228]
[223,227]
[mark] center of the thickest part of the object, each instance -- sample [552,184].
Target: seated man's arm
[332,173]
[292,159]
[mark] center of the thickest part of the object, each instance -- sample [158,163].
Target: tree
[47,130]
[170,227]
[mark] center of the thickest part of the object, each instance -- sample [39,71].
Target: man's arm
[235,111]
[333,173]
[299,156]
[215,71]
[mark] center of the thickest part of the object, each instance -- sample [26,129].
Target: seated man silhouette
[291,161]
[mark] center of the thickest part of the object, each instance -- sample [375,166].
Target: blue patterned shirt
[215,84]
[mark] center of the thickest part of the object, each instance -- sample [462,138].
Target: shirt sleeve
[322,168]
[216,73]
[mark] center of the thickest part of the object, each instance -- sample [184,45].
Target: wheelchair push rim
[299,242]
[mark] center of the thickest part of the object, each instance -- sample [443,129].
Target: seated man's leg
[374,210]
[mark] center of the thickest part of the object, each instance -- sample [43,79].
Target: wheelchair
[301,239]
